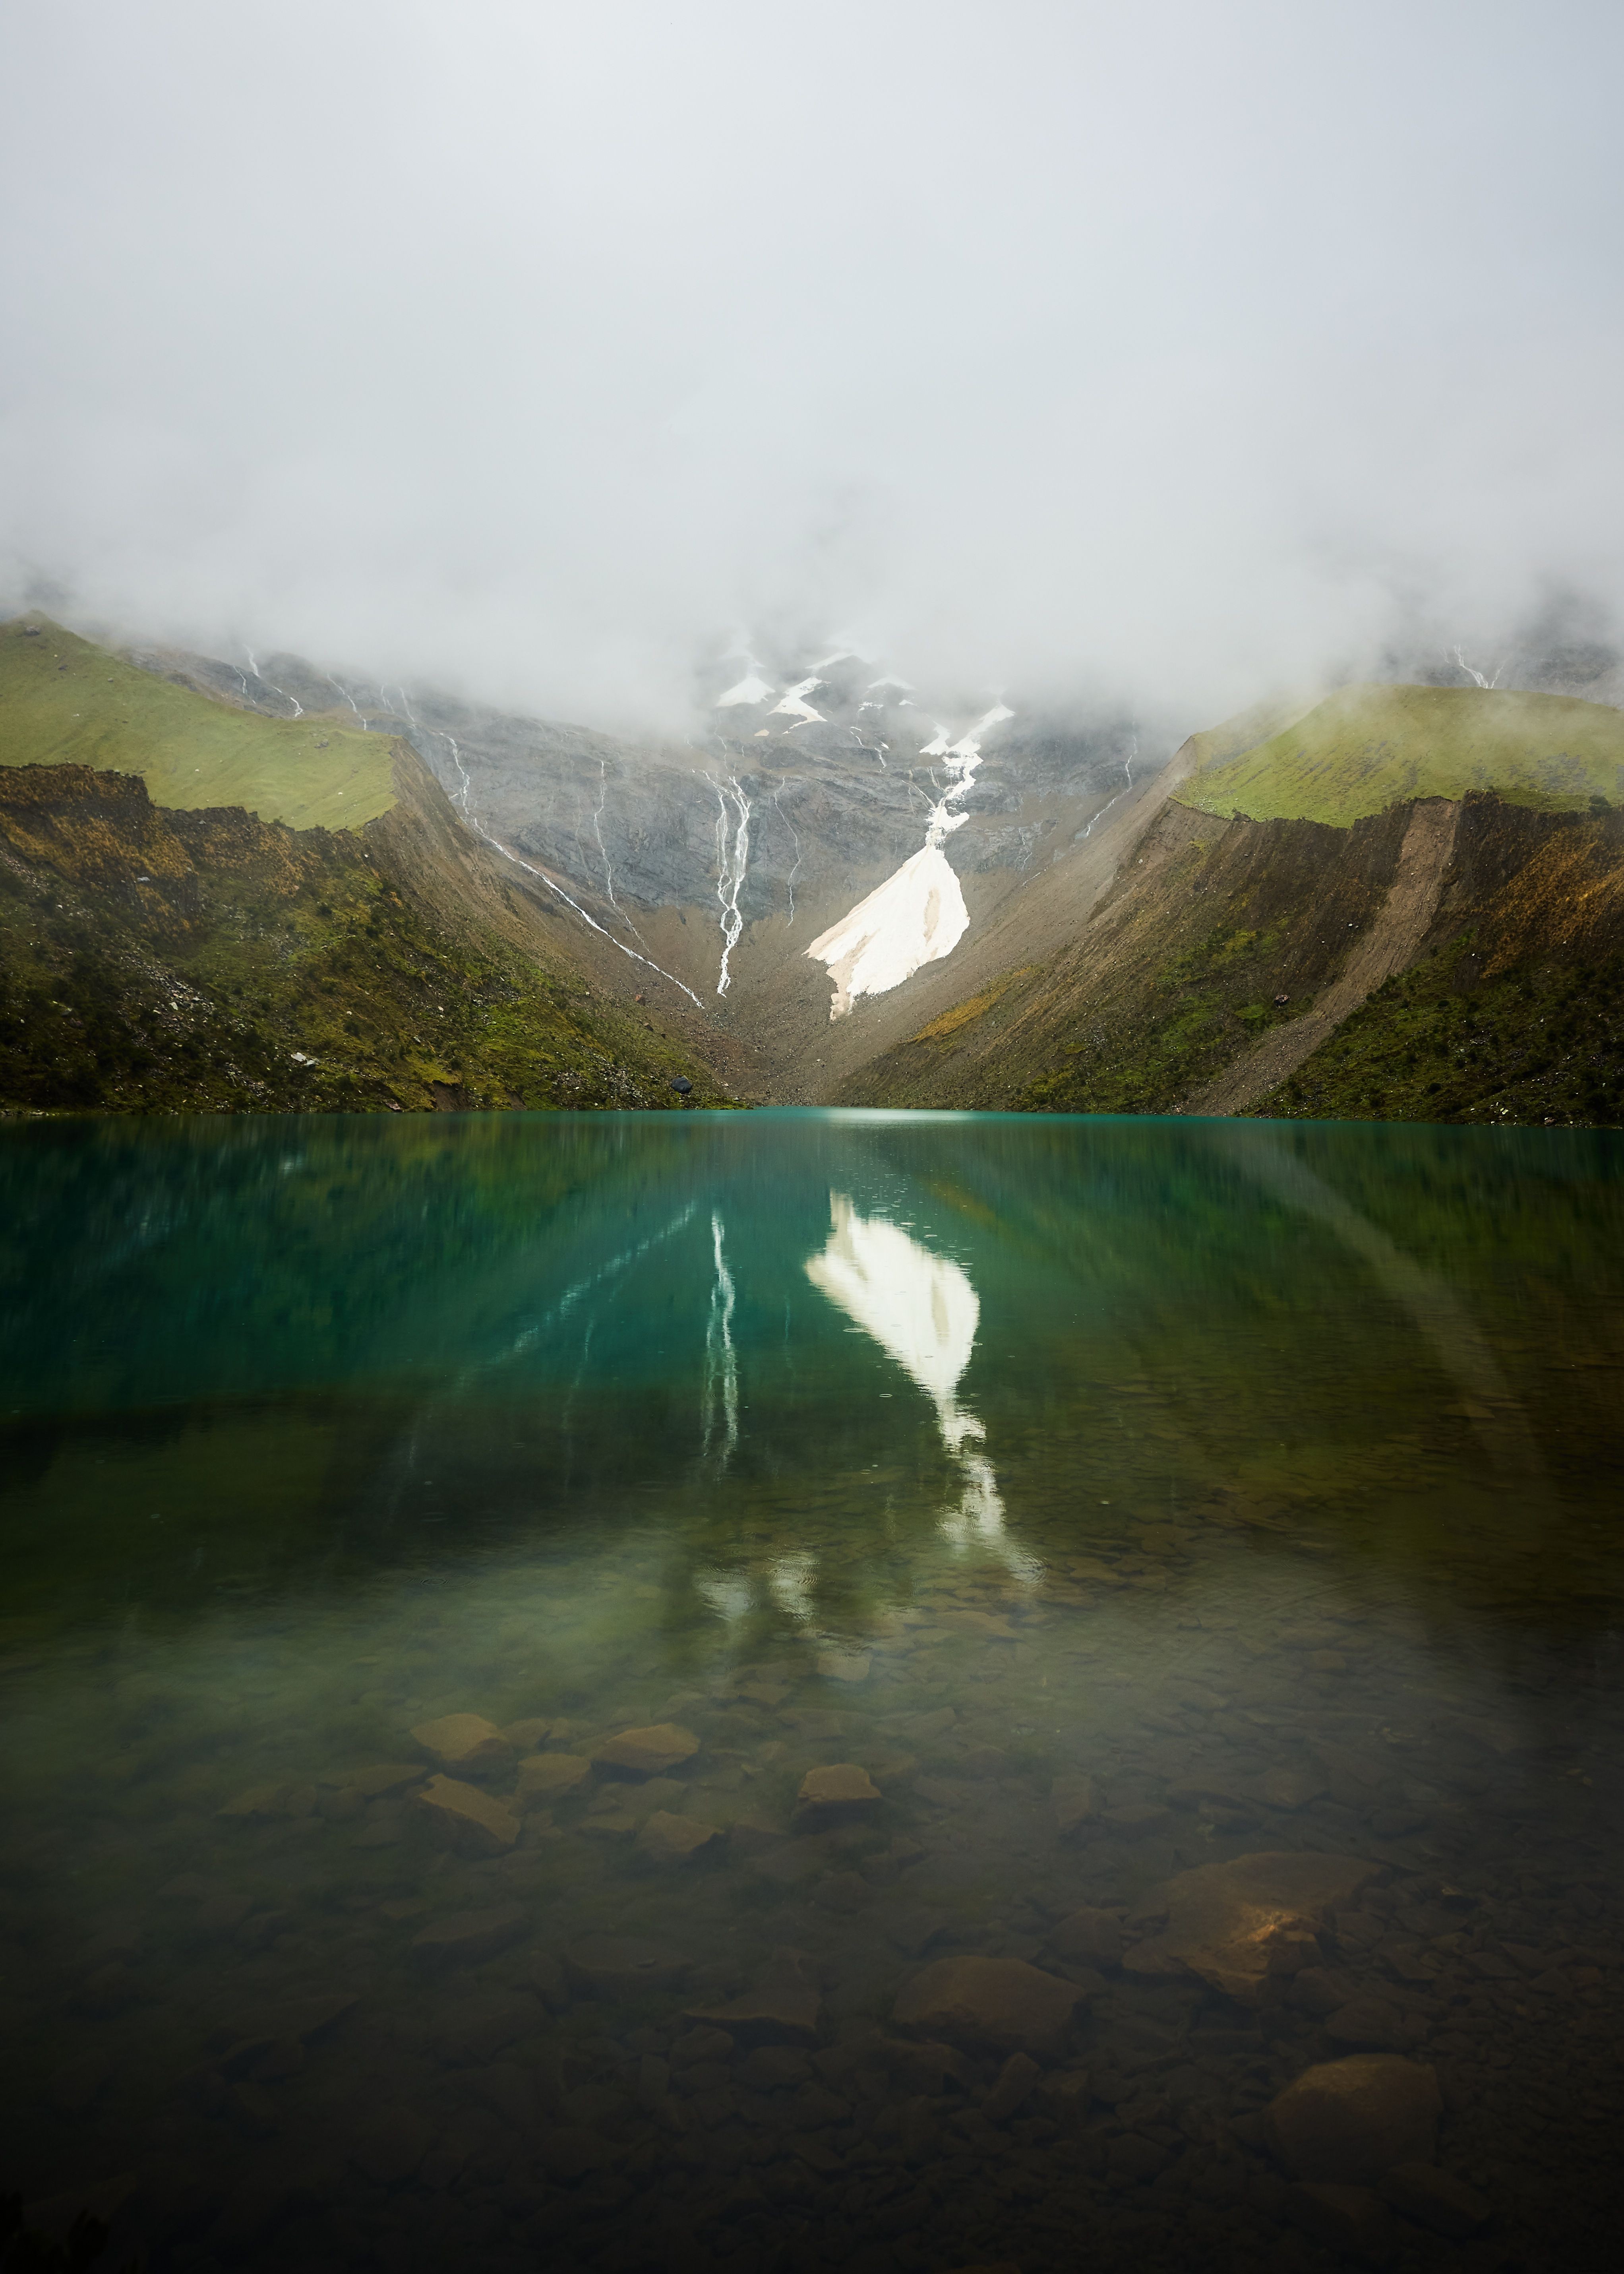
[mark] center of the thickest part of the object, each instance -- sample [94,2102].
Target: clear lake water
[440,1555]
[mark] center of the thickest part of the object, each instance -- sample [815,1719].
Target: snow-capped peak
[747,690]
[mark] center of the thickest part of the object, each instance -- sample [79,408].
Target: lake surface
[441,1553]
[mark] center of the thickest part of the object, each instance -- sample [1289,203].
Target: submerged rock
[647,1752]
[466,1743]
[1075,1802]
[547,1777]
[1242,1925]
[1092,1937]
[836,1789]
[617,1966]
[285,1797]
[670,1838]
[468,1937]
[1435,2199]
[469,1817]
[1346,2122]
[782,2010]
[996,2004]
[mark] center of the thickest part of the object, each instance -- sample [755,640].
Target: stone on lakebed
[470,1817]
[546,1777]
[1244,1926]
[668,1839]
[1346,2122]
[619,1966]
[782,2010]
[646,1752]
[995,2004]
[842,1785]
[465,1742]
[468,1937]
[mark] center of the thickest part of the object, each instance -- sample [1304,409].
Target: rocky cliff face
[709,868]
[1005,910]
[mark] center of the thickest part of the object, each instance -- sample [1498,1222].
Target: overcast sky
[1167,348]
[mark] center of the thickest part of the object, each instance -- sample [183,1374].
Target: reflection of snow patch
[727,1593]
[921,1308]
[747,690]
[923,1312]
[790,1582]
[916,916]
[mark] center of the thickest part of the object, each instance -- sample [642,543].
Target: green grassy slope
[1367,747]
[64,701]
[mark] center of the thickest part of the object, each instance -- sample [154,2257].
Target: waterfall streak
[1127,768]
[733,860]
[465,804]
[1461,664]
[348,698]
[298,708]
[789,881]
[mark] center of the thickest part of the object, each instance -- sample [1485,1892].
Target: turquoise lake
[442,1554]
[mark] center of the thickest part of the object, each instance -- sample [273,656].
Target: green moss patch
[64,701]
[1369,748]
[1541,1042]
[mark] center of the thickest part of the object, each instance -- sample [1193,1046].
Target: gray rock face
[764,806]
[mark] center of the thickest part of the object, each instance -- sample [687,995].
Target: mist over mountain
[1099,361]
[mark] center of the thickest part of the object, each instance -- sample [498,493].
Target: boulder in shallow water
[1076,1802]
[993,2005]
[1093,1937]
[1245,1925]
[546,1777]
[466,1743]
[467,1938]
[1435,2199]
[781,2009]
[1346,2122]
[667,1838]
[646,1752]
[839,1789]
[469,1817]
[619,1966]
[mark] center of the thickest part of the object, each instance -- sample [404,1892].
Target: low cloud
[1153,355]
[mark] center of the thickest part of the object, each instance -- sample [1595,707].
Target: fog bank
[1156,354]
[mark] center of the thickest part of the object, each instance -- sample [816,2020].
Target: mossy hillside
[1542,1042]
[277,972]
[1368,747]
[64,701]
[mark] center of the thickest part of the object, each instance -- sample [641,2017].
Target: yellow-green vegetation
[1544,1042]
[1368,747]
[977,1006]
[64,701]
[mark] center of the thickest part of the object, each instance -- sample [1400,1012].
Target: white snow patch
[906,685]
[794,705]
[916,916]
[747,690]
